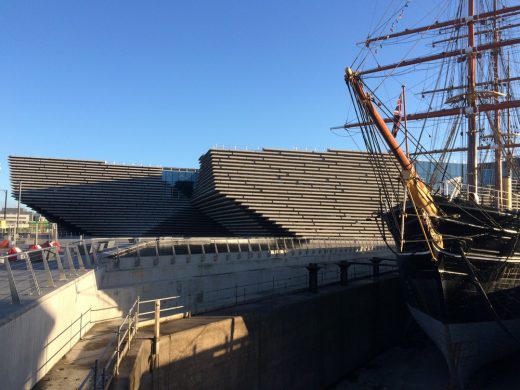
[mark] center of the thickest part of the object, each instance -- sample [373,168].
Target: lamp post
[5,209]
[18,212]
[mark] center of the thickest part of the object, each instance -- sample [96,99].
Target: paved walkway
[70,372]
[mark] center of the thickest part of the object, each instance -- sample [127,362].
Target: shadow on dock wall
[24,337]
[308,341]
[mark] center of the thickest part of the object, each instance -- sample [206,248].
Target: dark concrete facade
[242,193]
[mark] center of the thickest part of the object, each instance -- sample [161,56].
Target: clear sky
[160,82]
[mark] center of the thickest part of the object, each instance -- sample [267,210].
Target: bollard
[313,277]
[343,272]
[375,267]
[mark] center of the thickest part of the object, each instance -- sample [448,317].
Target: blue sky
[161,82]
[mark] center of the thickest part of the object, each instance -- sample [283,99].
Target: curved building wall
[101,199]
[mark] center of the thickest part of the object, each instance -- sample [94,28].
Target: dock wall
[211,281]
[41,332]
[35,338]
[307,341]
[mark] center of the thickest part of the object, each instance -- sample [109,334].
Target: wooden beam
[483,147]
[447,54]
[438,25]
[441,113]
[502,81]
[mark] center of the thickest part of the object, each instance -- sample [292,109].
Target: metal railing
[247,247]
[488,195]
[136,318]
[53,267]
[101,377]
[34,273]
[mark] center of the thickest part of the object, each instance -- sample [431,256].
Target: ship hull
[466,296]
[467,347]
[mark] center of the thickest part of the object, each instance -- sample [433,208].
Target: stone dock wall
[301,340]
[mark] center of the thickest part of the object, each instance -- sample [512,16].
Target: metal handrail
[82,254]
[488,194]
[70,260]
[125,334]
[254,244]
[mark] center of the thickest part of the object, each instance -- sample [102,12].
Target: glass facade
[174,175]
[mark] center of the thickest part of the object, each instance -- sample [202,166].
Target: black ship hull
[465,296]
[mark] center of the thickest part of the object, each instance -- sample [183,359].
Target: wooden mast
[509,140]
[471,102]
[420,195]
[471,109]
[499,187]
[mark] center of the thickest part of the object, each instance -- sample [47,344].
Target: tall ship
[445,105]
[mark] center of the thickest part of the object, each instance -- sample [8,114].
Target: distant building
[25,218]
[234,193]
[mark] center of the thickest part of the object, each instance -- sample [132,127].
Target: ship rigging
[459,248]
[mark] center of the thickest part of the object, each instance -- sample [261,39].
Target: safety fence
[33,273]
[106,367]
[234,248]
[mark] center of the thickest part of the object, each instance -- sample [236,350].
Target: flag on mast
[397,115]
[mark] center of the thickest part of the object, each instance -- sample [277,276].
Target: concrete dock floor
[418,364]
